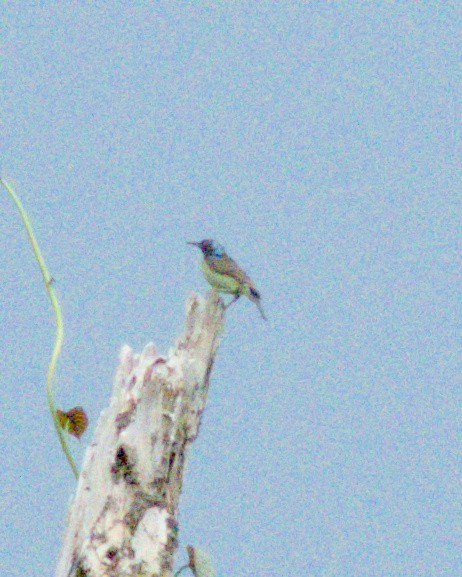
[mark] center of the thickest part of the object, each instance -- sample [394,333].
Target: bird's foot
[233,301]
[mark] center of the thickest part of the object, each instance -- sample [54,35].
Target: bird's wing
[227,266]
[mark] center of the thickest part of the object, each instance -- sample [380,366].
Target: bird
[225,275]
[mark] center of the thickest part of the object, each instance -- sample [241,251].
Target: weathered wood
[123,519]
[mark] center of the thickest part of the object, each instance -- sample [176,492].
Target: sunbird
[224,274]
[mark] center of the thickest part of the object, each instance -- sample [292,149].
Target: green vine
[48,280]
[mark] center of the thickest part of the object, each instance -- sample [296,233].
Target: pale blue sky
[319,142]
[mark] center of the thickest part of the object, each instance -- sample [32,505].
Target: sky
[319,143]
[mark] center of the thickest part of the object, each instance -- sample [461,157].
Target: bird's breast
[221,282]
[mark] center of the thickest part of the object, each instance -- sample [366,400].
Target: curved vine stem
[48,280]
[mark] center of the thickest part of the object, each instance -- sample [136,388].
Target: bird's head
[209,247]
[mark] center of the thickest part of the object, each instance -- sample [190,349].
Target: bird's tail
[254,296]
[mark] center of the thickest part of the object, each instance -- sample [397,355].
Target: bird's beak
[194,243]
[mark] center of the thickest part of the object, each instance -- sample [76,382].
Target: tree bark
[123,519]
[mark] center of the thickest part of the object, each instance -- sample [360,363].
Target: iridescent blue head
[210,248]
